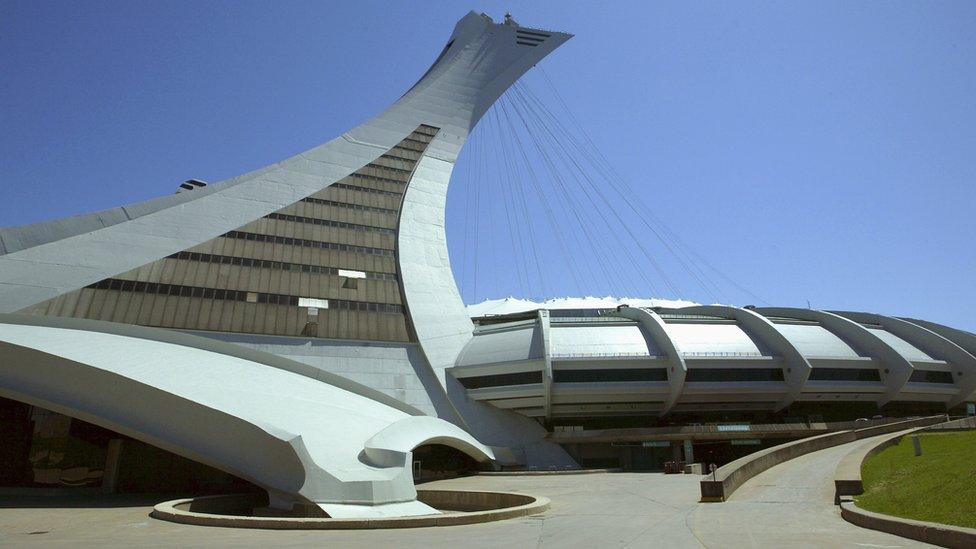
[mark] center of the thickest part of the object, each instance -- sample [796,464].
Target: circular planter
[459,507]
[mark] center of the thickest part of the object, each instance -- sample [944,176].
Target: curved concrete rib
[677,369]
[896,369]
[297,437]
[544,329]
[962,362]
[796,369]
[965,340]
[392,446]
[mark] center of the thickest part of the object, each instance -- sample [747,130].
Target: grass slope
[938,486]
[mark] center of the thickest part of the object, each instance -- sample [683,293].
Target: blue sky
[817,151]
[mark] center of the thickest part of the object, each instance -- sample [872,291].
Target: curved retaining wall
[542,472]
[847,476]
[462,507]
[728,478]
[848,483]
[928,532]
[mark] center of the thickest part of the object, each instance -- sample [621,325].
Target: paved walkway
[787,506]
[790,505]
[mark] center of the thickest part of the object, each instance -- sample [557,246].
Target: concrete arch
[897,369]
[677,369]
[392,446]
[298,437]
[796,369]
[962,362]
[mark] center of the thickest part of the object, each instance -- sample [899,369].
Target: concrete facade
[635,361]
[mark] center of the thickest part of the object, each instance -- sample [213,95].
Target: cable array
[543,203]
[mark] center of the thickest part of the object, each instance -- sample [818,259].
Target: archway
[439,461]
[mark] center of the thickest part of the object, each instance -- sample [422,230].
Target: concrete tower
[335,257]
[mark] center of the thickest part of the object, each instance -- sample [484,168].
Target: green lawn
[939,486]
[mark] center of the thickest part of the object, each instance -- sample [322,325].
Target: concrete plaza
[787,506]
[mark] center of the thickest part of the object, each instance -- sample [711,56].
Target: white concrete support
[653,325]
[967,341]
[302,439]
[895,369]
[796,368]
[960,361]
[543,320]
[110,479]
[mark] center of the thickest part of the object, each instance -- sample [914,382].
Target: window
[501,380]
[929,376]
[606,375]
[844,374]
[721,375]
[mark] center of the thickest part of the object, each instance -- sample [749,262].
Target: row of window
[381,167]
[929,376]
[844,374]
[501,380]
[710,375]
[609,375]
[358,207]
[721,375]
[414,145]
[236,295]
[363,189]
[329,223]
[392,156]
[240,235]
[425,129]
[377,178]
[278,265]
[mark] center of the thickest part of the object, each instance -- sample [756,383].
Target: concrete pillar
[689,452]
[110,478]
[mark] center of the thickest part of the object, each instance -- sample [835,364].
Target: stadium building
[298,330]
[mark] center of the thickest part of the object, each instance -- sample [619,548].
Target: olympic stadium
[297,330]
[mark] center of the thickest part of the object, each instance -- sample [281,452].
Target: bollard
[917,443]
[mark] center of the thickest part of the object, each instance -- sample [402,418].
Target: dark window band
[411,145]
[240,235]
[720,375]
[418,141]
[348,205]
[844,374]
[376,178]
[500,380]
[329,223]
[395,157]
[278,265]
[928,376]
[610,375]
[533,33]
[235,295]
[363,189]
[381,167]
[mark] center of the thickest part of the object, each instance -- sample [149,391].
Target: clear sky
[815,151]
